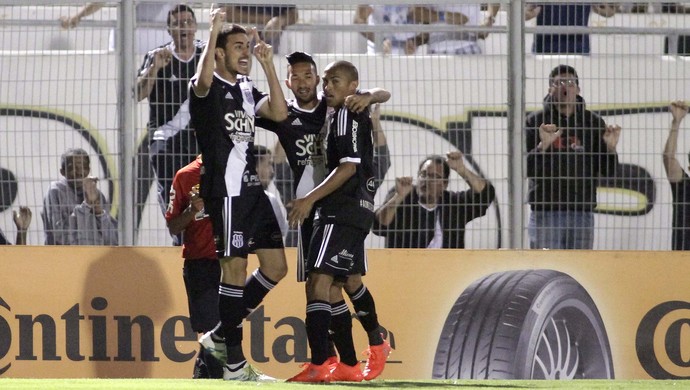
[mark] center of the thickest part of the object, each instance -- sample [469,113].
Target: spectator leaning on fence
[679,180]
[427,215]
[569,148]
[75,212]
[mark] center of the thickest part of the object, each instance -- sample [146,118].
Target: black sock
[317,322]
[256,288]
[365,309]
[231,309]
[341,327]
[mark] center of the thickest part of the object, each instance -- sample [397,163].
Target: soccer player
[223,106]
[344,213]
[301,135]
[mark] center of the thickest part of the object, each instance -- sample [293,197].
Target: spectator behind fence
[145,37]
[397,42]
[270,19]
[163,79]
[549,14]
[679,181]
[22,220]
[569,148]
[186,215]
[427,215]
[459,43]
[75,212]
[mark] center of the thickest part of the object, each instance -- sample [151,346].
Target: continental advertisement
[73,312]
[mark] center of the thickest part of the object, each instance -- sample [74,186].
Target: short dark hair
[348,67]
[297,57]
[437,159]
[261,151]
[561,69]
[177,9]
[72,152]
[226,31]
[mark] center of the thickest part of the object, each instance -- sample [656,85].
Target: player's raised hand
[262,50]
[217,15]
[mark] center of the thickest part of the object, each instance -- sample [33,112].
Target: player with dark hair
[344,212]
[223,106]
[163,79]
[301,136]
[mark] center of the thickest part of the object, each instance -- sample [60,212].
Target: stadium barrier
[121,312]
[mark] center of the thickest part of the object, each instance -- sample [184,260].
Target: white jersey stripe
[327,229]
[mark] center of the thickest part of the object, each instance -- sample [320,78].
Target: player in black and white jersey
[223,105]
[163,79]
[344,204]
[301,136]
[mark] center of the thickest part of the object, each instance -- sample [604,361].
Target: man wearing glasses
[163,79]
[569,148]
[427,215]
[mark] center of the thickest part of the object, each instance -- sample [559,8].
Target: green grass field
[184,384]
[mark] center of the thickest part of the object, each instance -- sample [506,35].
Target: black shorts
[201,278]
[337,250]
[243,224]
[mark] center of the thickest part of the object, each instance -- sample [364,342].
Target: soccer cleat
[200,369]
[246,373]
[376,360]
[345,373]
[311,373]
[332,361]
[216,349]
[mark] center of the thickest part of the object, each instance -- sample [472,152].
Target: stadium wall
[121,312]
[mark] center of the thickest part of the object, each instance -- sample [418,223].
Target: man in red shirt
[201,272]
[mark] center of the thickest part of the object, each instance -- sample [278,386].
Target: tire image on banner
[527,324]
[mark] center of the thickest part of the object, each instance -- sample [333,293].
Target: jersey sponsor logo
[309,145]
[250,180]
[355,126]
[238,121]
[366,204]
[237,239]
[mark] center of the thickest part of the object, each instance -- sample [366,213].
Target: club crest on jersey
[237,239]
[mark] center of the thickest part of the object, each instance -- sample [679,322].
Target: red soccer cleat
[376,360]
[311,373]
[344,373]
[332,361]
